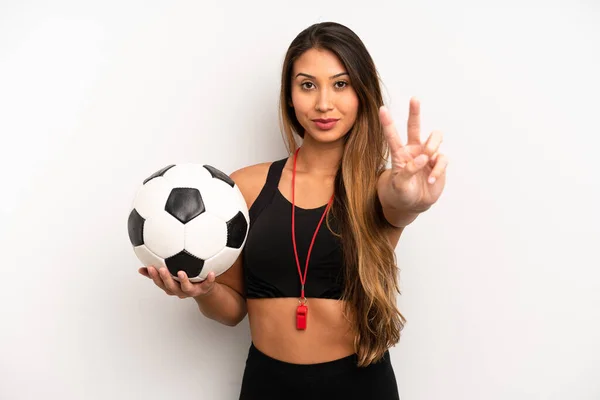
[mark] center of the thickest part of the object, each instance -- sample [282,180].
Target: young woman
[317,276]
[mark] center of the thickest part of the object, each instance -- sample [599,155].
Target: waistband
[327,368]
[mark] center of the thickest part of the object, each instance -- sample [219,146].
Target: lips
[325,124]
[325,120]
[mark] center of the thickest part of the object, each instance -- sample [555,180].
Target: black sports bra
[268,256]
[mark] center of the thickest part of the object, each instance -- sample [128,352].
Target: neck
[319,158]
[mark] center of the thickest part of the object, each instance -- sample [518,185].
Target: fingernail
[431,179]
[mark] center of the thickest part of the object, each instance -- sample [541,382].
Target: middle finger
[169,282]
[414,121]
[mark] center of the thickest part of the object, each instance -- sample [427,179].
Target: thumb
[209,281]
[208,284]
[414,166]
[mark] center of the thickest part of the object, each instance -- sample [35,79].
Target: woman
[322,328]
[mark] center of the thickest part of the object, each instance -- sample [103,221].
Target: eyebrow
[312,77]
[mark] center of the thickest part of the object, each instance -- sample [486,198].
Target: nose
[324,101]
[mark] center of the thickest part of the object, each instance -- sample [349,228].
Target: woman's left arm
[418,173]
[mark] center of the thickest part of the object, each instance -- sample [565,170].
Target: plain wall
[500,279]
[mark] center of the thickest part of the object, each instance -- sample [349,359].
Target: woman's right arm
[216,298]
[224,300]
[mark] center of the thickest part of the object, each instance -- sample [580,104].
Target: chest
[309,192]
[269,250]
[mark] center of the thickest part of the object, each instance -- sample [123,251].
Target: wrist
[399,220]
[397,215]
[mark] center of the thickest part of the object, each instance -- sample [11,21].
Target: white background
[500,279]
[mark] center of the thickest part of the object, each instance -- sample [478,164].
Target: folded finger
[415,165]
[439,169]
[433,159]
[433,143]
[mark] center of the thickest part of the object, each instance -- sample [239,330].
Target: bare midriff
[327,337]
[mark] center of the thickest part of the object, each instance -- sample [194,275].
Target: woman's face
[321,90]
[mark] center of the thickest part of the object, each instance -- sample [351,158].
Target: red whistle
[301,316]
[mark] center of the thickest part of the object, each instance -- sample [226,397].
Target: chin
[330,136]
[326,137]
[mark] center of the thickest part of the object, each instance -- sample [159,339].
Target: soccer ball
[188,217]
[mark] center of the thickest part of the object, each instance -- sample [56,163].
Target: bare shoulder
[251,180]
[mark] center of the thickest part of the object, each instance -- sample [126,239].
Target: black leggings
[266,378]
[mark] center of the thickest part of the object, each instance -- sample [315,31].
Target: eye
[344,84]
[303,85]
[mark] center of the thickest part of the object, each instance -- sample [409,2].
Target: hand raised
[418,169]
[182,289]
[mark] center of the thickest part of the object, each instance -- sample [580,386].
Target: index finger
[389,130]
[414,121]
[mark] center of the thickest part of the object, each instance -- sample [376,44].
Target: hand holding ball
[190,218]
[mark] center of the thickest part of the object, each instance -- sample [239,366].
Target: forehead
[318,62]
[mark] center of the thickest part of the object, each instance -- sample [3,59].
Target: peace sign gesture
[418,174]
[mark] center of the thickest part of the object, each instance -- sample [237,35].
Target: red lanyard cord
[303,278]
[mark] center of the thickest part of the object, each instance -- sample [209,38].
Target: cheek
[349,105]
[301,103]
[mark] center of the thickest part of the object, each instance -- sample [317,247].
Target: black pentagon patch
[236,230]
[184,261]
[135,226]
[215,173]
[158,173]
[185,204]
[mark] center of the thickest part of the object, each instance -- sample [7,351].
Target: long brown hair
[371,277]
